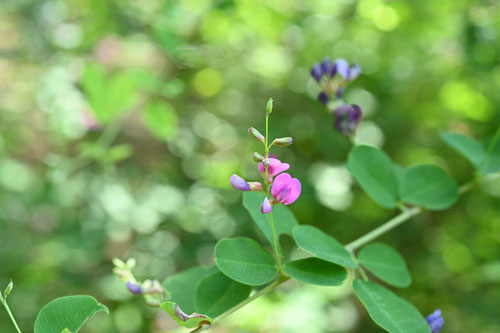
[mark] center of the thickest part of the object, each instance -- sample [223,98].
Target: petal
[354,72]
[273,164]
[294,189]
[342,67]
[239,183]
[325,66]
[316,72]
[266,207]
[280,184]
[279,169]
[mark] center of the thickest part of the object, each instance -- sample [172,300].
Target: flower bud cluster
[152,290]
[333,77]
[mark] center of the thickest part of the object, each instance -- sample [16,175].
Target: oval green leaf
[428,186]
[386,264]
[467,147]
[375,173]
[322,245]
[244,260]
[388,310]
[182,286]
[69,312]
[284,220]
[217,293]
[193,320]
[316,271]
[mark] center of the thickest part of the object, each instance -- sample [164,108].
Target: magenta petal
[273,164]
[280,184]
[266,207]
[239,183]
[280,168]
[294,188]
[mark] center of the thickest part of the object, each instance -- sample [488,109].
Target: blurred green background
[122,121]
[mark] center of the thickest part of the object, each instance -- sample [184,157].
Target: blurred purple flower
[435,321]
[275,167]
[134,288]
[347,118]
[239,183]
[348,73]
[89,120]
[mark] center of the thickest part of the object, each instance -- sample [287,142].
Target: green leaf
[69,312]
[491,163]
[217,293]
[161,120]
[483,157]
[386,264]
[322,245]
[388,310]
[316,271]
[428,186]
[182,286]
[244,260]
[284,220]
[468,147]
[193,320]
[375,173]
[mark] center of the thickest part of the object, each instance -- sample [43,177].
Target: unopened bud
[255,186]
[256,134]
[269,107]
[118,263]
[283,142]
[257,157]
[7,290]
[134,288]
[266,162]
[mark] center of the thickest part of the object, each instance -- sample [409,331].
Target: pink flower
[285,190]
[275,167]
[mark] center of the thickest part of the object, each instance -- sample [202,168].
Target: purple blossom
[347,118]
[134,288]
[348,73]
[275,167]
[239,183]
[435,321]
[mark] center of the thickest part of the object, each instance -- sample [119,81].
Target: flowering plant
[244,270]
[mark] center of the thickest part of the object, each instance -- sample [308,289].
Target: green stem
[391,224]
[275,240]
[4,302]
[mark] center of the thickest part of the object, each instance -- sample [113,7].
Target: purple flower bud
[333,70]
[323,97]
[257,157]
[347,118]
[316,72]
[266,207]
[239,183]
[134,288]
[283,142]
[255,186]
[435,321]
[256,134]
